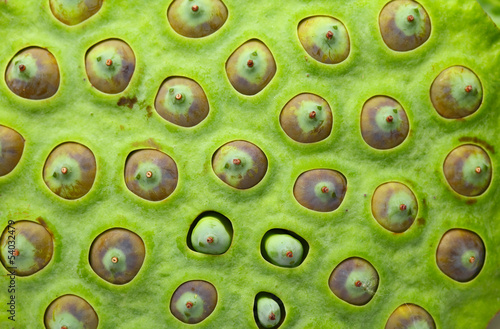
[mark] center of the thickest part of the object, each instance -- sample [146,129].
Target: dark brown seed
[408,316]
[70,311]
[193,21]
[193,301]
[11,149]
[309,189]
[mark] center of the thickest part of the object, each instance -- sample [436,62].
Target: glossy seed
[212,234]
[187,108]
[33,73]
[310,186]
[34,247]
[251,79]
[404,25]
[79,165]
[70,311]
[410,316]
[460,169]
[394,206]
[245,173]
[151,174]
[377,130]
[325,39]
[460,254]
[355,281]
[200,296]
[283,250]
[268,312]
[117,255]
[197,20]
[11,149]
[456,92]
[113,75]
[75,11]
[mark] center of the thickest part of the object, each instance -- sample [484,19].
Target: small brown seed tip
[324,189]
[237,162]
[22,68]
[478,170]
[390,118]
[411,18]
[178,97]
[16,252]
[272,316]
[312,115]
[210,239]
[195,8]
[468,89]
[189,304]
[472,259]
[64,170]
[289,254]
[329,35]
[402,207]
[250,63]
[358,284]
[114,260]
[149,174]
[109,62]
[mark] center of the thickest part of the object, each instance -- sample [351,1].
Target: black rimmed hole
[277,300]
[303,242]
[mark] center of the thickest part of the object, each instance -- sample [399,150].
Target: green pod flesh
[410,316]
[320,189]
[182,101]
[117,255]
[468,170]
[33,73]
[384,123]
[70,170]
[212,234]
[283,250]
[325,39]
[268,312]
[11,149]
[72,312]
[72,12]
[251,67]
[460,254]
[193,301]
[240,164]
[456,92]
[110,65]
[30,250]
[198,18]
[404,25]
[307,118]
[394,206]
[355,281]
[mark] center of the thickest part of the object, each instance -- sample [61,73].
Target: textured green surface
[461,35]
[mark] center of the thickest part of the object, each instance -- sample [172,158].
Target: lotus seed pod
[251,67]
[355,281]
[70,311]
[410,316]
[320,189]
[27,247]
[394,206]
[307,118]
[198,18]
[33,73]
[70,170]
[468,170]
[193,301]
[283,250]
[456,92]
[212,234]
[268,312]
[182,101]
[110,65]
[325,39]
[72,12]
[240,164]
[460,254]
[384,123]
[117,255]
[151,174]
[404,25]
[11,149]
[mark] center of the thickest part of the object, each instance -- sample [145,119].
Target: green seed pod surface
[404,25]
[110,65]
[33,73]
[182,101]
[193,301]
[410,316]
[198,18]
[394,206]
[30,250]
[460,254]
[307,118]
[456,92]
[251,67]
[355,281]
[70,170]
[283,250]
[212,234]
[268,312]
[70,312]
[384,123]
[468,170]
[325,39]
[72,12]
[117,255]
[11,149]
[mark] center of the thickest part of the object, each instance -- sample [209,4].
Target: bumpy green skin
[283,250]
[268,312]
[462,34]
[199,22]
[410,316]
[11,149]
[72,12]
[70,311]
[212,234]
[193,301]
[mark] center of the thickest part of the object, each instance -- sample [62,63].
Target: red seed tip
[15,253]
[411,18]
[195,8]
[402,207]
[149,174]
[178,97]
[210,239]
[324,189]
[272,316]
[250,63]
[468,89]
[237,161]
[114,260]
[189,304]
[472,259]
[64,170]
[329,35]
[22,68]
[389,118]
[312,115]
[109,62]
[358,284]
[289,254]
[478,170]
[64,327]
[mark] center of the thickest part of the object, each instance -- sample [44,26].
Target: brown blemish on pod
[205,294]
[11,149]
[127,101]
[407,316]
[77,307]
